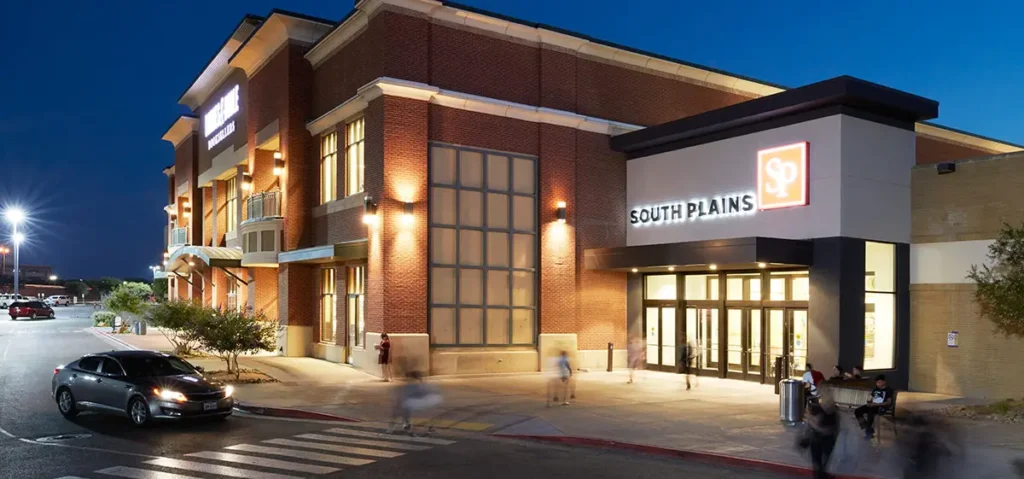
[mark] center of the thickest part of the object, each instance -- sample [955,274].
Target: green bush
[180,322]
[228,334]
[103,318]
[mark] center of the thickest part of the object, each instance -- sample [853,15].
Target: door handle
[99,380]
[74,375]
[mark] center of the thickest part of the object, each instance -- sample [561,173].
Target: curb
[112,340]
[706,457]
[291,413]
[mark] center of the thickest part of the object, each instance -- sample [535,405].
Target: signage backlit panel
[218,116]
[782,177]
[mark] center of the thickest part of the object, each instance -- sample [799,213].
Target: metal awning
[347,251]
[213,256]
[735,253]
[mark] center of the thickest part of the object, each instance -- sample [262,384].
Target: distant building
[29,272]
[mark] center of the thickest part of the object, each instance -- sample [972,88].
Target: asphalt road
[253,447]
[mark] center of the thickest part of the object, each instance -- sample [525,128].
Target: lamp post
[15,216]
[4,251]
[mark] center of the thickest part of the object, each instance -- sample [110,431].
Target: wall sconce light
[407,213]
[762,265]
[165,263]
[634,270]
[369,211]
[167,255]
[671,268]
[246,181]
[186,209]
[278,164]
[191,263]
[945,168]
[713,267]
[560,212]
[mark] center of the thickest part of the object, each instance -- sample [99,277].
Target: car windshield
[155,366]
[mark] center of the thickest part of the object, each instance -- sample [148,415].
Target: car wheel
[138,412]
[53,314]
[66,403]
[33,316]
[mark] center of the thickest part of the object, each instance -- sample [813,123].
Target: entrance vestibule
[737,323]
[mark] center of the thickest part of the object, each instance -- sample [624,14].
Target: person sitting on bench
[879,403]
[812,378]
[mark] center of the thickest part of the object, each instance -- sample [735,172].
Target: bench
[854,394]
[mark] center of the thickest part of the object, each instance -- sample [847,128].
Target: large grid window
[328,304]
[354,165]
[355,303]
[879,305]
[328,167]
[483,237]
[231,203]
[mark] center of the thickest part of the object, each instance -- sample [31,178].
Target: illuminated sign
[219,114]
[736,204]
[781,183]
[782,176]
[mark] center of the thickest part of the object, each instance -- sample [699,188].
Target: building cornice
[463,101]
[444,13]
[181,129]
[950,135]
[217,69]
[277,30]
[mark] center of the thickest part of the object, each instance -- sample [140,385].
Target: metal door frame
[661,305]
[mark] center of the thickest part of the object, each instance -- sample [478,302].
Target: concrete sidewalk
[728,418]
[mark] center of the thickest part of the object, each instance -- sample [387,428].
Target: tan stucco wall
[969,204]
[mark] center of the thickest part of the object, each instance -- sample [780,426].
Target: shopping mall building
[488,191]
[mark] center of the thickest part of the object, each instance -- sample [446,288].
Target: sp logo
[782,177]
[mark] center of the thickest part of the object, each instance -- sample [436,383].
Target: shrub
[129,300]
[228,334]
[103,318]
[180,322]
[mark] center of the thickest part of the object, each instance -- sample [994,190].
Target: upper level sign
[218,117]
[782,176]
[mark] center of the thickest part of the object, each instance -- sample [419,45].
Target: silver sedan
[142,385]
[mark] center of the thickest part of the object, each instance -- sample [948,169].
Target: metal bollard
[611,350]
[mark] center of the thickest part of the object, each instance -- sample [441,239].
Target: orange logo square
[782,177]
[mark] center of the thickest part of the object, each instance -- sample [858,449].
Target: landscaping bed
[247,376]
[1009,411]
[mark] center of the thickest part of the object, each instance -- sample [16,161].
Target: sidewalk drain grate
[63,437]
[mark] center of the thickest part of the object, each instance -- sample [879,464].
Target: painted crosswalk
[301,455]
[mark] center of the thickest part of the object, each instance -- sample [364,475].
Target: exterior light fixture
[167,255]
[671,268]
[945,168]
[762,265]
[369,211]
[53,277]
[560,212]
[278,164]
[18,239]
[191,263]
[407,213]
[246,181]
[713,267]
[186,210]
[165,263]
[634,270]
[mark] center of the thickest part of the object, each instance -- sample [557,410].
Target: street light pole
[17,247]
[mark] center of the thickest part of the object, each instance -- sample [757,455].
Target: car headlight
[169,395]
[229,390]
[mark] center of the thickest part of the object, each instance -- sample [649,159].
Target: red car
[30,309]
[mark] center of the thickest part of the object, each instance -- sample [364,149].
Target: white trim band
[463,101]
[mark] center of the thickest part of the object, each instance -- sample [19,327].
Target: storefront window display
[879,305]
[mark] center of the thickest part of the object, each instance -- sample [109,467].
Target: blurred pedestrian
[686,359]
[823,429]
[837,373]
[812,378]
[413,396]
[384,357]
[856,374]
[635,352]
[559,386]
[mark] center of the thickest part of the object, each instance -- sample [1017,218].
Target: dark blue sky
[88,88]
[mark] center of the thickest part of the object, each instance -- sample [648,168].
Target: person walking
[823,429]
[559,386]
[635,352]
[686,360]
[384,357]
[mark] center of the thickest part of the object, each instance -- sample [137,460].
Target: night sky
[88,88]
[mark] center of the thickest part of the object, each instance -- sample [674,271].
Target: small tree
[106,285]
[180,322]
[229,334]
[76,288]
[1000,292]
[160,289]
[129,299]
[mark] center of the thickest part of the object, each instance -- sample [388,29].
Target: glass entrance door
[702,331]
[660,327]
[743,346]
[786,339]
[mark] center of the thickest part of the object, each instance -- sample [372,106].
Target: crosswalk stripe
[263,462]
[70,477]
[363,442]
[216,469]
[314,456]
[377,435]
[131,472]
[362,451]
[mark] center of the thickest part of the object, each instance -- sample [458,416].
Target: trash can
[140,328]
[791,401]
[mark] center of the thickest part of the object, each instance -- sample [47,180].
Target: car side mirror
[200,369]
